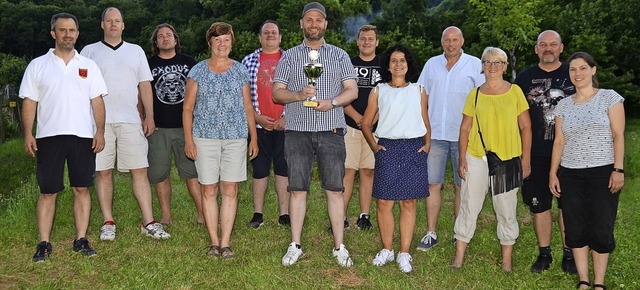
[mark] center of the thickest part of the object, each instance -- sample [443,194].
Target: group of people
[553,132]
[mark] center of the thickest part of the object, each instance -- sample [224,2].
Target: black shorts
[590,207]
[51,156]
[270,149]
[535,188]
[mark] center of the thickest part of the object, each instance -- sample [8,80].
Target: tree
[508,24]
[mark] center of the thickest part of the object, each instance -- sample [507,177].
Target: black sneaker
[284,220]
[82,246]
[542,263]
[43,251]
[256,221]
[363,222]
[569,265]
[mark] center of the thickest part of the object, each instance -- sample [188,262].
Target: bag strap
[477,122]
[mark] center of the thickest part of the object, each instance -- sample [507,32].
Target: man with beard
[65,90]
[448,78]
[315,133]
[127,75]
[169,68]
[270,121]
[544,84]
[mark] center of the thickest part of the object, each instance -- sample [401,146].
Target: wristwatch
[334,102]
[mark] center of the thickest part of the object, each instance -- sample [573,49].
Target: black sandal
[586,283]
[214,251]
[599,286]
[226,253]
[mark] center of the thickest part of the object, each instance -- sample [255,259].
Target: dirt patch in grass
[344,277]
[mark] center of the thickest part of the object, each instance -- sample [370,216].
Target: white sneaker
[404,262]
[108,232]
[342,255]
[292,255]
[383,257]
[154,230]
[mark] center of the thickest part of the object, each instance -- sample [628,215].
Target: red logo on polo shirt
[83,72]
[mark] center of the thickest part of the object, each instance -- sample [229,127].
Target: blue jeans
[437,162]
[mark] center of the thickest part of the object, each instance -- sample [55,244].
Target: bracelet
[618,170]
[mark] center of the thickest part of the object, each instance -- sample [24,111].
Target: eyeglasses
[493,63]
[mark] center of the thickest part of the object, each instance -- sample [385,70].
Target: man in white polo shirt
[127,74]
[65,90]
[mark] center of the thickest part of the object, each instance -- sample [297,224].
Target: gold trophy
[312,70]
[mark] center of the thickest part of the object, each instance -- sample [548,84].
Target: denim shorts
[437,161]
[301,149]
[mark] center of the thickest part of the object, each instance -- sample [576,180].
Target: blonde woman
[495,124]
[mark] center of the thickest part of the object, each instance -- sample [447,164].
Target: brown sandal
[226,253]
[214,251]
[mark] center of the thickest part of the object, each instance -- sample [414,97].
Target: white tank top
[400,112]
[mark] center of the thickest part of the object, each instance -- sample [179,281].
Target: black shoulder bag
[504,175]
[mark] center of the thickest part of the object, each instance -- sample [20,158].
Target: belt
[339,131]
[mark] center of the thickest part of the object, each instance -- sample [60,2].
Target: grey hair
[63,15]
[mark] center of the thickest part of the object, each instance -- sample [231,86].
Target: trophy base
[310,104]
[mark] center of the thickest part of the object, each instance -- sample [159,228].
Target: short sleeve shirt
[587,130]
[168,85]
[368,73]
[543,91]
[219,111]
[290,72]
[123,66]
[448,90]
[498,118]
[63,93]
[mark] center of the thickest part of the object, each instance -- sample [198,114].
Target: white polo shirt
[123,68]
[448,91]
[63,93]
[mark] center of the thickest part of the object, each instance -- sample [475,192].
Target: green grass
[134,261]
[15,168]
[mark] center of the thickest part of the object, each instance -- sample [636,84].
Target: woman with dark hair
[495,147]
[217,116]
[587,167]
[401,151]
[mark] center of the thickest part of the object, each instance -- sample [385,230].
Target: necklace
[398,86]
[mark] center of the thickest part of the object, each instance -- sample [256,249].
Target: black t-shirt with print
[169,85]
[368,77]
[543,90]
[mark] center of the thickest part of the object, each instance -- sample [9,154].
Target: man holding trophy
[314,80]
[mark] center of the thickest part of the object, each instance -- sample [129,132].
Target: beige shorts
[359,154]
[224,160]
[127,141]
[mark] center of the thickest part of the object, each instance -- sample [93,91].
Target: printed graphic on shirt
[368,76]
[544,95]
[171,81]
[266,72]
